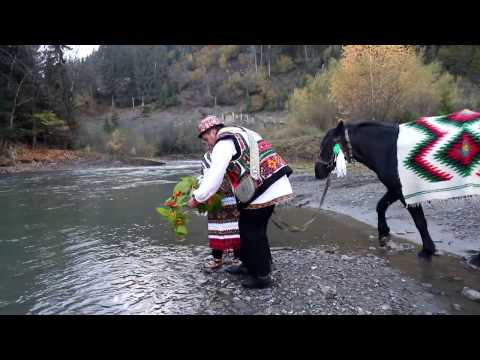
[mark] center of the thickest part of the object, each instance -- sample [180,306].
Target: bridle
[330,164]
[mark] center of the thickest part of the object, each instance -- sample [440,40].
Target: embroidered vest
[272,166]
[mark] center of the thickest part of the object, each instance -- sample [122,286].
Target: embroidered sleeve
[220,158]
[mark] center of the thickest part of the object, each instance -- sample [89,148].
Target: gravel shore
[454,226]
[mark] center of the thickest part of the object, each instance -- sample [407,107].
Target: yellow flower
[271,163]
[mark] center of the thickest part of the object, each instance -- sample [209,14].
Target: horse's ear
[340,129]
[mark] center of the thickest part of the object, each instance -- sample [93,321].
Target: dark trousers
[218,254]
[255,249]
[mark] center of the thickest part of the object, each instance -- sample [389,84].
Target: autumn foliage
[374,82]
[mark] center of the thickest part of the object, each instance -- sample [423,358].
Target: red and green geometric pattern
[461,154]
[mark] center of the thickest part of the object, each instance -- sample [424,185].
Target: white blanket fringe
[340,165]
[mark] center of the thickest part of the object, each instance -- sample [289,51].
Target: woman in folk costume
[231,156]
[223,233]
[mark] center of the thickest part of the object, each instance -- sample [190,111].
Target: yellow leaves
[206,57]
[312,104]
[373,82]
[196,75]
[116,142]
[382,81]
[228,52]
[284,64]
[26,154]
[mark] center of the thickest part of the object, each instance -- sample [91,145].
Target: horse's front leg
[421,223]
[383,230]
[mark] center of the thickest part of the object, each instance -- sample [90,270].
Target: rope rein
[283,225]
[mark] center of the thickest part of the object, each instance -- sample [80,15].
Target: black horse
[375,146]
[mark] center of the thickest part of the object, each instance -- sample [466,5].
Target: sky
[81,51]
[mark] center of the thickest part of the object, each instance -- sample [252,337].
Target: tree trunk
[34,133]
[306,52]
[269,58]
[12,114]
[261,55]
[207,82]
[91,98]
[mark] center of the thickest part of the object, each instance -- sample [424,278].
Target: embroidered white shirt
[221,155]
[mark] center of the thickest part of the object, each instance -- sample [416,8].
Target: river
[88,241]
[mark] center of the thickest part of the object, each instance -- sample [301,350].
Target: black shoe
[237,270]
[257,282]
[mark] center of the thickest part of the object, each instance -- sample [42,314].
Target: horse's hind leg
[383,230]
[475,260]
[421,224]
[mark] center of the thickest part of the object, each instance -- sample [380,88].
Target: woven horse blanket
[439,157]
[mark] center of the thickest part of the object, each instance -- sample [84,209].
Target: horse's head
[326,159]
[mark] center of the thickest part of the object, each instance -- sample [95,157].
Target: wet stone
[456,307]
[471,294]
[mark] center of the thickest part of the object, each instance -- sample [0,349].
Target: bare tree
[15,62]
[16,103]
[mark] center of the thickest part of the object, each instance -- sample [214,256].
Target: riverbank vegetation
[145,100]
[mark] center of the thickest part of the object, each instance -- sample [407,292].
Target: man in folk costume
[266,170]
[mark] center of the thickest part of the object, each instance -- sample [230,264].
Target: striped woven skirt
[223,232]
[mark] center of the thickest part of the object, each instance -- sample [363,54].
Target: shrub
[110,122]
[312,105]
[227,53]
[116,143]
[195,75]
[284,64]
[385,82]
[206,58]
[243,59]
[255,103]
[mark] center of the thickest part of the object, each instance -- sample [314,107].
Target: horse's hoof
[475,261]
[425,255]
[383,240]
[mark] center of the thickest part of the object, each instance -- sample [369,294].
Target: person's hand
[192,203]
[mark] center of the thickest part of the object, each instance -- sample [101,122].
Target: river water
[89,241]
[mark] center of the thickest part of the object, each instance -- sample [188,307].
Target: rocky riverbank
[321,281]
[454,226]
[45,160]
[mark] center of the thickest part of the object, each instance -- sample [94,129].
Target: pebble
[225,292]
[456,307]
[471,294]
[328,291]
